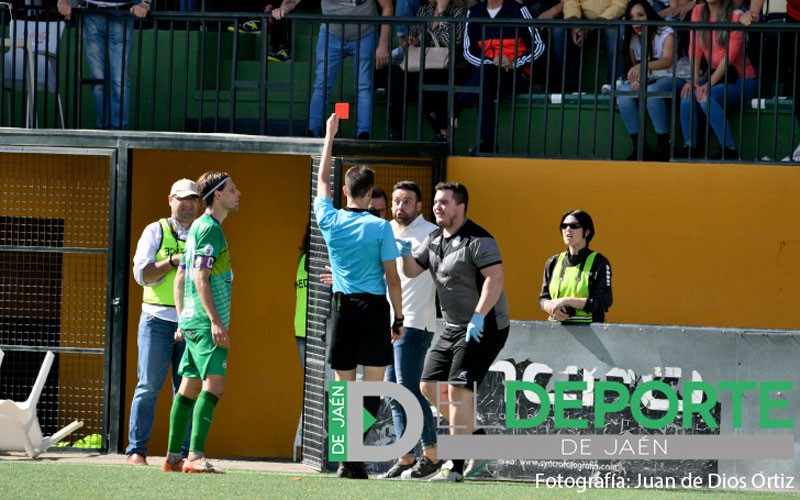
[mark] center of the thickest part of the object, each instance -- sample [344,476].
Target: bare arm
[154,271]
[411,267]
[492,288]
[219,334]
[286,7]
[666,54]
[751,16]
[177,293]
[382,52]
[393,285]
[324,174]
[177,290]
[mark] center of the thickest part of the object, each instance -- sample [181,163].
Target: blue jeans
[405,8]
[656,106]
[559,37]
[714,108]
[190,5]
[157,349]
[364,49]
[409,357]
[108,41]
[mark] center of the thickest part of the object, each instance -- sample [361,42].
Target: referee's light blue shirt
[358,245]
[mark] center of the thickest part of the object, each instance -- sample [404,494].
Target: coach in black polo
[468,271]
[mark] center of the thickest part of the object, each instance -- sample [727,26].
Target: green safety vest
[301,287]
[163,293]
[572,282]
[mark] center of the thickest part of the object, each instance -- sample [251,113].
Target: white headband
[214,189]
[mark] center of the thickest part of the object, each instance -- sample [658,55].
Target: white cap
[184,188]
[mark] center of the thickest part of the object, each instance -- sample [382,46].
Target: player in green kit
[203,302]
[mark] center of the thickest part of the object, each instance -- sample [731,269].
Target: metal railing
[195,72]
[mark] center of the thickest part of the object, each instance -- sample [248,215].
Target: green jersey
[206,248]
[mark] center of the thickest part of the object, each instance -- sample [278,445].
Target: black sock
[458,466]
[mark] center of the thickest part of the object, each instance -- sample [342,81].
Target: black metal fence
[201,72]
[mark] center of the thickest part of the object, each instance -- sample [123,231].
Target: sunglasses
[571,225]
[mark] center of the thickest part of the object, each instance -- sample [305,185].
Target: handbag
[436,57]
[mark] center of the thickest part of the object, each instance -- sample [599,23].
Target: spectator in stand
[545,9]
[789,49]
[278,29]
[660,51]
[337,41]
[565,55]
[403,8]
[730,79]
[108,40]
[405,85]
[502,56]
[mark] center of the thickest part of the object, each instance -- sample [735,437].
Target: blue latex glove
[475,328]
[404,247]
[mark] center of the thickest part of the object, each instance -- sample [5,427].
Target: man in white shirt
[157,257]
[410,229]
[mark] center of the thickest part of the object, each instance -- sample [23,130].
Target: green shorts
[202,357]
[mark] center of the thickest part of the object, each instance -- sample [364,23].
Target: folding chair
[30,65]
[19,425]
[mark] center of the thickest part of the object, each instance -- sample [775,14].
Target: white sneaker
[474,467]
[446,475]
[795,158]
[606,88]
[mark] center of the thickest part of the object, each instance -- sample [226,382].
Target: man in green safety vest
[577,282]
[158,254]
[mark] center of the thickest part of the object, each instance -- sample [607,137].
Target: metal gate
[426,173]
[56,234]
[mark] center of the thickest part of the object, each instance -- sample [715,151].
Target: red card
[342,110]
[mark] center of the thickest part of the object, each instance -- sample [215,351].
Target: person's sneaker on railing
[252,26]
[282,55]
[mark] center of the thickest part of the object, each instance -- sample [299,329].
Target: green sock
[201,423]
[179,421]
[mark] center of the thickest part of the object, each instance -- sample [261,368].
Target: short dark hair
[209,183]
[359,179]
[409,186]
[584,219]
[460,193]
[379,193]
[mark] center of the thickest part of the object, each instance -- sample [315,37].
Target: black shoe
[396,470]
[730,154]
[358,470]
[395,134]
[688,152]
[309,133]
[344,470]
[363,136]
[438,137]
[424,469]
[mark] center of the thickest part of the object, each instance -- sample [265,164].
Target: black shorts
[451,359]
[361,334]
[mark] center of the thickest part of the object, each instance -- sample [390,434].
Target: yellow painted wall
[259,412]
[709,245]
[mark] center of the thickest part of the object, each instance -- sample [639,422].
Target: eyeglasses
[571,225]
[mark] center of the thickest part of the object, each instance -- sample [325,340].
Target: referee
[362,250]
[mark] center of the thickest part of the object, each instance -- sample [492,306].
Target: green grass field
[23,480]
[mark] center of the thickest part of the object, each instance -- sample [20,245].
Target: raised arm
[324,174]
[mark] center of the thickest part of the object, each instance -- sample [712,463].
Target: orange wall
[259,412]
[709,245]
